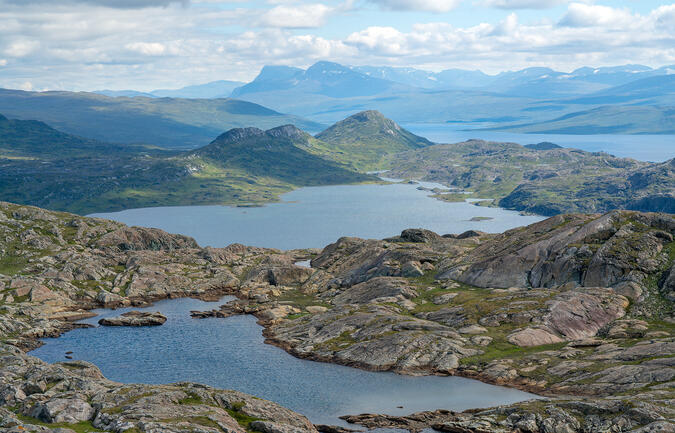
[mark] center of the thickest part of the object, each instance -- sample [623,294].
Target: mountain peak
[288,131]
[276,73]
[324,66]
[371,136]
[236,134]
[3,118]
[368,115]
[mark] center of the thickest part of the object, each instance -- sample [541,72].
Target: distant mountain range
[165,122]
[328,91]
[214,89]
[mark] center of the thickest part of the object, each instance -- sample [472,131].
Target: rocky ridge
[544,179]
[577,305]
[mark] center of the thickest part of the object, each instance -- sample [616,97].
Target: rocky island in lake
[577,308]
[135,318]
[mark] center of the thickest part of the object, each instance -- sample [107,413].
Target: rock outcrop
[577,305]
[135,318]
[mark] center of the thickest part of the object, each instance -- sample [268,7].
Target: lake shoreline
[394,304]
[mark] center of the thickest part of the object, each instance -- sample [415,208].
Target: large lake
[642,147]
[314,217]
[231,354]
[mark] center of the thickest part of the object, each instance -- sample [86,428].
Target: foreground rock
[577,305]
[135,318]
[76,395]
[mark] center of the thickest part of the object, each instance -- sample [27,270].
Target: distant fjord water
[643,147]
[314,217]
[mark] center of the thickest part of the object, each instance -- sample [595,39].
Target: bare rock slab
[135,318]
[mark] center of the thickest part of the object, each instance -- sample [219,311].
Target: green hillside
[277,153]
[606,120]
[362,140]
[543,181]
[32,138]
[45,167]
[165,122]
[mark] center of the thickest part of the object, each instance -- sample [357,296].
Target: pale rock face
[411,269]
[108,299]
[66,410]
[41,293]
[573,315]
[561,250]
[472,330]
[277,313]
[529,337]
[380,287]
[135,318]
[444,299]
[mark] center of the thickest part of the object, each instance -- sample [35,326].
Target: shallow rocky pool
[230,353]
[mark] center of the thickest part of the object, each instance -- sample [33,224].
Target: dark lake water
[230,354]
[314,217]
[641,147]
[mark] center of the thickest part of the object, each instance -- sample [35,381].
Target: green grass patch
[300,299]
[502,349]
[80,427]
[243,419]
[191,399]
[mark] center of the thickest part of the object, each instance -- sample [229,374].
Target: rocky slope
[279,153]
[544,180]
[577,307]
[362,140]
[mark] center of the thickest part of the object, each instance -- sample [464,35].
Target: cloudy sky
[150,44]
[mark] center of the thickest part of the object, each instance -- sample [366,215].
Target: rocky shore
[576,307]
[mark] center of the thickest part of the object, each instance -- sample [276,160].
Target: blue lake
[314,217]
[231,354]
[641,147]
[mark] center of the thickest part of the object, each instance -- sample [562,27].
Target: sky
[153,44]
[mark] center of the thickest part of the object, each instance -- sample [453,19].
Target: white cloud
[21,48]
[600,35]
[26,85]
[584,15]
[119,4]
[94,47]
[147,48]
[299,16]
[3,62]
[523,4]
[419,5]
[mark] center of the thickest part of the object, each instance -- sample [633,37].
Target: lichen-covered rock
[415,304]
[135,318]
